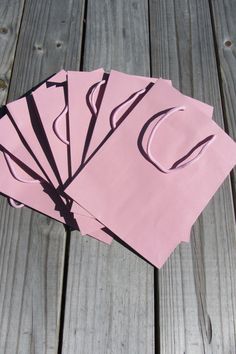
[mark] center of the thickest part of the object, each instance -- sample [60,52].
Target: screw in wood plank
[3,30]
[228,43]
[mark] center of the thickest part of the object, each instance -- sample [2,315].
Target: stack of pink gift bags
[114,154]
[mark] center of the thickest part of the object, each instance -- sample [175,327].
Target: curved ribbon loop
[92,99]
[14,173]
[15,204]
[178,164]
[114,119]
[56,127]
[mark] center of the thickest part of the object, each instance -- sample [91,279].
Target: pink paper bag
[156,173]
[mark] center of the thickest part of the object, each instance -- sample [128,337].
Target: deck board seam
[223,103]
[15,50]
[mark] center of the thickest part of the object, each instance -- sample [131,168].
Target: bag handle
[92,99]
[65,111]
[204,144]
[15,204]
[14,173]
[11,201]
[56,127]
[113,120]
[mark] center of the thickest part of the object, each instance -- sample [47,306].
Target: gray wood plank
[225,36]
[10,18]
[32,245]
[109,301]
[197,286]
[51,40]
[31,267]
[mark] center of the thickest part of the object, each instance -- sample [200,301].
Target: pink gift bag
[156,173]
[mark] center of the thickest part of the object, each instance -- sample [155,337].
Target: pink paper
[80,86]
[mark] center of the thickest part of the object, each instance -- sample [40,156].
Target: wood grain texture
[51,39]
[109,302]
[31,266]
[117,36]
[32,245]
[110,299]
[10,18]
[197,286]
[224,28]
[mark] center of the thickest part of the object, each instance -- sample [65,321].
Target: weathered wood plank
[51,40]
[109,302]
[31,254]
[32,245]
[10,18]
[224,27]
[197,286]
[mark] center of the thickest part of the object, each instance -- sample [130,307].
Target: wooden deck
[63,293]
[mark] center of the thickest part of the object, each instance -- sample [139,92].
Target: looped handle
[14,173]
[114,119]
[92,99]
[56,127]
[178,164]
[15,204]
